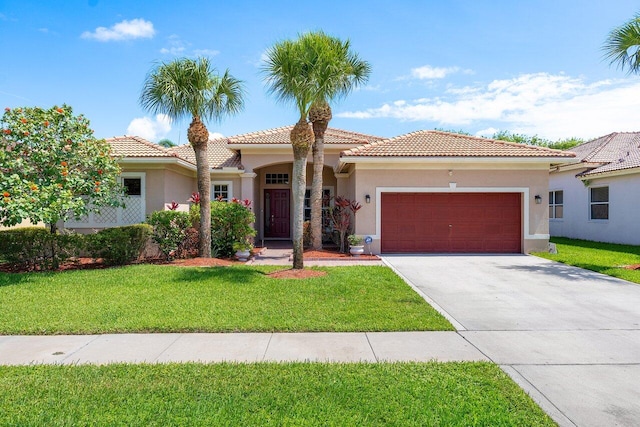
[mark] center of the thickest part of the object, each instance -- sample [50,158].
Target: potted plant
[243,250]
[356,247]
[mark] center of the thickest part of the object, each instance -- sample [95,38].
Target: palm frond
[622,46]
[187,87]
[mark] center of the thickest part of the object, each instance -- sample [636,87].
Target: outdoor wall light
[367,198]
[538,199]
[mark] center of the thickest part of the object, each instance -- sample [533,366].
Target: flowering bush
[342,214]
[52,167]
[230,224]
[170,231]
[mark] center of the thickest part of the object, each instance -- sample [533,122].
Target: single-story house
[426,191]
[598,197]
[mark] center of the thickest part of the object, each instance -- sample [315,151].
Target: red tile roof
[432,143]
[613,152]
[134,146]
[219,155]
[281,136]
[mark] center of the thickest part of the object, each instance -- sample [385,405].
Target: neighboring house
[426,191]
[598,197]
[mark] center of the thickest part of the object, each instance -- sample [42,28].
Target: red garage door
[444,222]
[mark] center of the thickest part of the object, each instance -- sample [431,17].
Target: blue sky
[532,67]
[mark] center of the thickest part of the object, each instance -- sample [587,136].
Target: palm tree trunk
[301,141]
[298,187]
[319,128]
[198,136]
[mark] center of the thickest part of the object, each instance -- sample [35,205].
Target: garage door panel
[445,222]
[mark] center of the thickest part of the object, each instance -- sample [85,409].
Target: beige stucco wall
[370,179]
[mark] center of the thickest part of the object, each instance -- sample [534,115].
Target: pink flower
[195,198]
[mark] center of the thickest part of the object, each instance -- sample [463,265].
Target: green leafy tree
[192,88]
[337,71]
[622,46]
[562,144]
[52,168]
[166,143]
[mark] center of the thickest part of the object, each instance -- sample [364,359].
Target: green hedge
[37,248]
[119,245]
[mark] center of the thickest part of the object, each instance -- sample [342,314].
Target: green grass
[156,298]
[400,394]
[606,258]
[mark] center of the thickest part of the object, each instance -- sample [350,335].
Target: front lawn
[157,298]
[401,394]
[606,258]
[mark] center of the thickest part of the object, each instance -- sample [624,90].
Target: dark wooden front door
[276,214]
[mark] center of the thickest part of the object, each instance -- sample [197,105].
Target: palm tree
[337,71]
[289,69]
[187,87]
[623,46]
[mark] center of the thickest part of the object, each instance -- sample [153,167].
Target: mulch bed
[296,274]
[309,255]
[328,255]
[93,264]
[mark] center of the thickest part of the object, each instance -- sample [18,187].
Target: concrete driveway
[569,337]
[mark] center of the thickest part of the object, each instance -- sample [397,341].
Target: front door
[276,213]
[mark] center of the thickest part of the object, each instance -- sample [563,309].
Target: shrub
[188,248]
[230,223]
[170,231]
[37,248]
[119,245]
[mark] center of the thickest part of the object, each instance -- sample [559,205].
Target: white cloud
[551,106]
[125,30]
[429,72]
[215,135]
[488,132]
[151,129]
[175,46]
[205,52]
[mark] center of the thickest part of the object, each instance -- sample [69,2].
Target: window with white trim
[222,190]
[556,204]
[277,178]
[327,194]
[599,203]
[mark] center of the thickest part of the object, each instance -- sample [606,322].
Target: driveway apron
[568,336]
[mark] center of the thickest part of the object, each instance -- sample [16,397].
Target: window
[556,204]
[599,203]
[326,204]
[277,178]
[132,186]
[221,190]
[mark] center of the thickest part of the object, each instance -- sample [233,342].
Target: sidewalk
[237,347]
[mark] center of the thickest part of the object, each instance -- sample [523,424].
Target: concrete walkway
[283,256]
[241,347]
[568,336]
